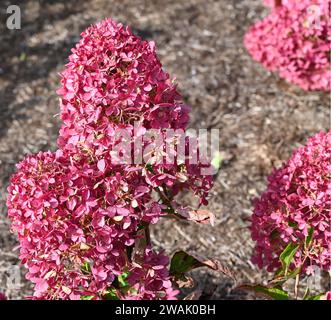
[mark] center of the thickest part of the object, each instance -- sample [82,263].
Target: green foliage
[182,262]
[287,256]
[122,279]
[86,297]
[276,293]
[309,238]
[111,294]
[86,268]
[316,297]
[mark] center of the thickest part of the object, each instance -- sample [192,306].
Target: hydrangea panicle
[297,200]
[295,42]
[78,213]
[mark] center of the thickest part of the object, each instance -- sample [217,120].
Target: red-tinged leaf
[219,267]
[198,216]
[183,262]
[202,216]
[185,282]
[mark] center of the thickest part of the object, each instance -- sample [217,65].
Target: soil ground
[261,118]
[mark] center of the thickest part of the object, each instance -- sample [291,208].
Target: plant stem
[147,235]
[296,286]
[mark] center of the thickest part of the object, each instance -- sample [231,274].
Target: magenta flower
[114,80]
[77,212]
[294,40]
[150,279]
[297,200]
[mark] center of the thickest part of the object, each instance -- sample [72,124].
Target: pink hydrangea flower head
[114,78]
[113,84]
[77,212]
[296,202]
[294,40]
[74,225]
[150,279]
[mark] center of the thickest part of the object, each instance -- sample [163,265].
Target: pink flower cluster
[296,203]
[77,213]
[147,279]
[115,81]
[294,40]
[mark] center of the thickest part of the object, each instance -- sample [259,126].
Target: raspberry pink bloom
[74,225]
[296,202]
[150,278]
[114,83]
[294,40]
[78,211]
[113,79]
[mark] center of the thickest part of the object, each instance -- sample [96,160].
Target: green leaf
[141,227]
[280,278]
[183,262]
[149,168]
[133,291]
[309,238]
[293,224]
[293,273]
[276,293]
[111,294]
[279,273]
[274,234]
[86,268]
[122,279]
[287,256]
[306,295]
[86,297]
[317,297]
